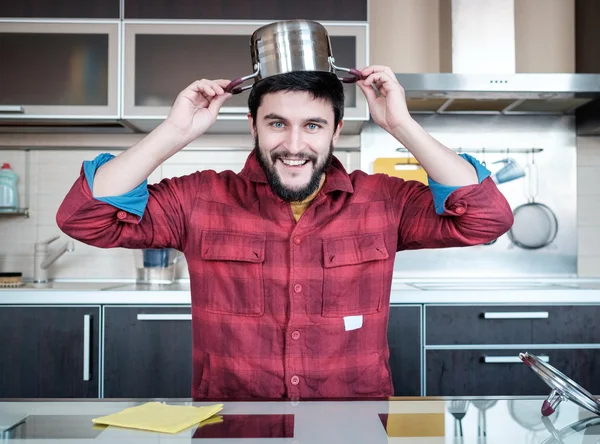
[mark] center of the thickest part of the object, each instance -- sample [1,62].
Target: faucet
[44,257]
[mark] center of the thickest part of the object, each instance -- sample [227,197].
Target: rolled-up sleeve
[441,192]
[107,224]
[472,214]
[134,201]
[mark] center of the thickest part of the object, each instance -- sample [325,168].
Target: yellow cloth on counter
[158,417]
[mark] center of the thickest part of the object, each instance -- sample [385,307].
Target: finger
[372,69]
[207,90]
[380,69]
[368,91]
[381,81]
[222,82]
[218,85]
[202,86]
[217,102]
[217,89]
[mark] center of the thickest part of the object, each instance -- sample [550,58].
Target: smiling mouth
[294,162]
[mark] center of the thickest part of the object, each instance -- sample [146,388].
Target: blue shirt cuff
[441,192]
[133,202]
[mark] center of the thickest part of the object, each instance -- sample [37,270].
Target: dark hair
[320,84]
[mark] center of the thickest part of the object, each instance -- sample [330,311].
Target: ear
[338,130]
[252,126]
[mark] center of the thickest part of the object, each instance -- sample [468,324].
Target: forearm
[126,171]
[441,163]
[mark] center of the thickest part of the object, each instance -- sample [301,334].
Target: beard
[279,188]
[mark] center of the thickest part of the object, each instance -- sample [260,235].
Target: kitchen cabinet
[352,10]
[494,372]
[161,59]
[511,324]
[472,349]
[49,351]
[404,340]
[93,9]
[147,352]
[58,70]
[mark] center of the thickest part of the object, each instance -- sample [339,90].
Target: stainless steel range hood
[502,93]
[480,47]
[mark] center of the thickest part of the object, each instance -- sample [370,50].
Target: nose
[294,142]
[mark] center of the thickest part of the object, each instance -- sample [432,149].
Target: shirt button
[295,335]
[297,240]
[121,215]
[295,380]
[460,210]
[297,288]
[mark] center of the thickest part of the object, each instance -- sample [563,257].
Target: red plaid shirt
[269,295]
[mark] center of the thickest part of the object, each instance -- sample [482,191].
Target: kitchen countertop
[404,291]
[397,420]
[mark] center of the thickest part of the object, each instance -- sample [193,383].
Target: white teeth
[294,162]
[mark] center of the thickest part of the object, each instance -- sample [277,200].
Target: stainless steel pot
[290,45]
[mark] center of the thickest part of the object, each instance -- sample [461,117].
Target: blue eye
[277,124]
[312,126]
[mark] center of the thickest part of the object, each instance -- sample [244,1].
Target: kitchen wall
[569,167]
[588,203]
[501,137]
[52,173]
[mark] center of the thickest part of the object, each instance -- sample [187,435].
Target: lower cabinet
[147,352]
[49,351]
[404,339]
[501,372]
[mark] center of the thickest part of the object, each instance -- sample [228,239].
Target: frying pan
[290,45]
[535,224]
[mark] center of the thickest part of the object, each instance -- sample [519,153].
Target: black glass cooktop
[221,426]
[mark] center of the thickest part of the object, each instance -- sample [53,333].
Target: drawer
[466,372]
[512,324]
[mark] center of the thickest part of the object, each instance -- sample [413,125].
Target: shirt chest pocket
[233,273]
[353,275]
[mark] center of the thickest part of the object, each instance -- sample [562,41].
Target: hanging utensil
[290,45]
[535,224]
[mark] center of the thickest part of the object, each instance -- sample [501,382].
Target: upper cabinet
[161,59]
[326,10]
[92,9]
[58,70]
[119,64]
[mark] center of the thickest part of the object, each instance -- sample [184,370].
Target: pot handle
[233,86]
[356,75]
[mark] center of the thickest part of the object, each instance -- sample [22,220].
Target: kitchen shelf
[24,210]
[488,150]
[14,212]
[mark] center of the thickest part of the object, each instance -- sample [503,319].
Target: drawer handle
[516,315]
[164,317]
[509,359]
[12,109]
[86,346]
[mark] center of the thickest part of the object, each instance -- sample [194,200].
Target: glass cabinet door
[59,70]
[161,59]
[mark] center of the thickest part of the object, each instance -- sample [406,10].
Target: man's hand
[389,110]
[196,108]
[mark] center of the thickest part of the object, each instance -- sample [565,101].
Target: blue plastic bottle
[9,195]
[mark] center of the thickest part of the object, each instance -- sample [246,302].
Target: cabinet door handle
[12,109]
[509,359]
[86,346]
[164,317]
[516,315]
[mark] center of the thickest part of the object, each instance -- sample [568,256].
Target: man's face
[294,136]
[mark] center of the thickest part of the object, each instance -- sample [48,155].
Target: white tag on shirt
[353,322]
